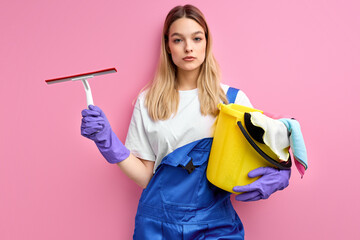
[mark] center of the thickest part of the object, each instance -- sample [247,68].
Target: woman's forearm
[140,171]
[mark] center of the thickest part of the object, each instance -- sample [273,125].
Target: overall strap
[231,94]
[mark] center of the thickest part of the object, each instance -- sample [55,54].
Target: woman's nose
[188,47]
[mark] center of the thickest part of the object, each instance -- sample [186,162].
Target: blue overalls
[180,203]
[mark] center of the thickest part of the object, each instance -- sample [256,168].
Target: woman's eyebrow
[180,35]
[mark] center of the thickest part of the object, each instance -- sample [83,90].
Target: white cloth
[152,141]
[275,136]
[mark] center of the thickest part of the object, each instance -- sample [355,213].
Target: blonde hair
[162,98]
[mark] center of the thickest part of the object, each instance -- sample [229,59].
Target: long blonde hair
[162,98]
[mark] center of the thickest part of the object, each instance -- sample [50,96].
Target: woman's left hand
[271,180]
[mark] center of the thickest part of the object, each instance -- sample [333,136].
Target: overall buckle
[189,167]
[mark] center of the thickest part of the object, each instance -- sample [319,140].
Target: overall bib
[180,203]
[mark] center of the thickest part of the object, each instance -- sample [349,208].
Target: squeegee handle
[89,98]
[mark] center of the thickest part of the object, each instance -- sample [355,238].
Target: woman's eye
[197,39]
[177,40]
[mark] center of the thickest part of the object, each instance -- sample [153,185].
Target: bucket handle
[280,165]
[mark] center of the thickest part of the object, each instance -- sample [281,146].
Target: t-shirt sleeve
[241,97]
[137,140]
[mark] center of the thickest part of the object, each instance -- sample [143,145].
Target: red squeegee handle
[68,78]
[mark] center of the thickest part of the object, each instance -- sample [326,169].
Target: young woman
[169,140]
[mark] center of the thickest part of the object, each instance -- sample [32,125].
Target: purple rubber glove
[272,180]
[95,126]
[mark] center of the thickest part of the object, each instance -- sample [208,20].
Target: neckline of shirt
[188,91]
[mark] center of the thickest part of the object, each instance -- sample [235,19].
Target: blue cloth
[180,203]
[297,143]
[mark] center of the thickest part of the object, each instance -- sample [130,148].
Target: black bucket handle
[280,165]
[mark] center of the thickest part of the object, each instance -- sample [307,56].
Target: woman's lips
[189,58]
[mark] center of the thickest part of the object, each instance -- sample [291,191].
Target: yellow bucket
[233,155]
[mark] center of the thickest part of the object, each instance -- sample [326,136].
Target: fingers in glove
[246,188]
[88,112]
[248,196]
[85,123]
[93,119]
[88,132]
[253,199]
[91,127]
[261,171]
[95,108]
[95,127]
[91,130]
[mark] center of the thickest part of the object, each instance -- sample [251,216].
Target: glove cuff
[112,149]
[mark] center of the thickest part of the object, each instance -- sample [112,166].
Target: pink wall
[299,58]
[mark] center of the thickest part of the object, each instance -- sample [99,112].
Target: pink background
[297,58]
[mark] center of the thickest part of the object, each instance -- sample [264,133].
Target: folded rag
[275,134]
[297,144]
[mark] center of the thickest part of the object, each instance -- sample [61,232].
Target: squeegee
[83,77]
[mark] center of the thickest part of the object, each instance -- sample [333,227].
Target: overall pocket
[178,187]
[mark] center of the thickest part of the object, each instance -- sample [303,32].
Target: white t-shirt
[153,140]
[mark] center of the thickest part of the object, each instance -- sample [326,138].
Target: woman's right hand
[95,126]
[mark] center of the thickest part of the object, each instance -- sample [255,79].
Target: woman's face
[187,44]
